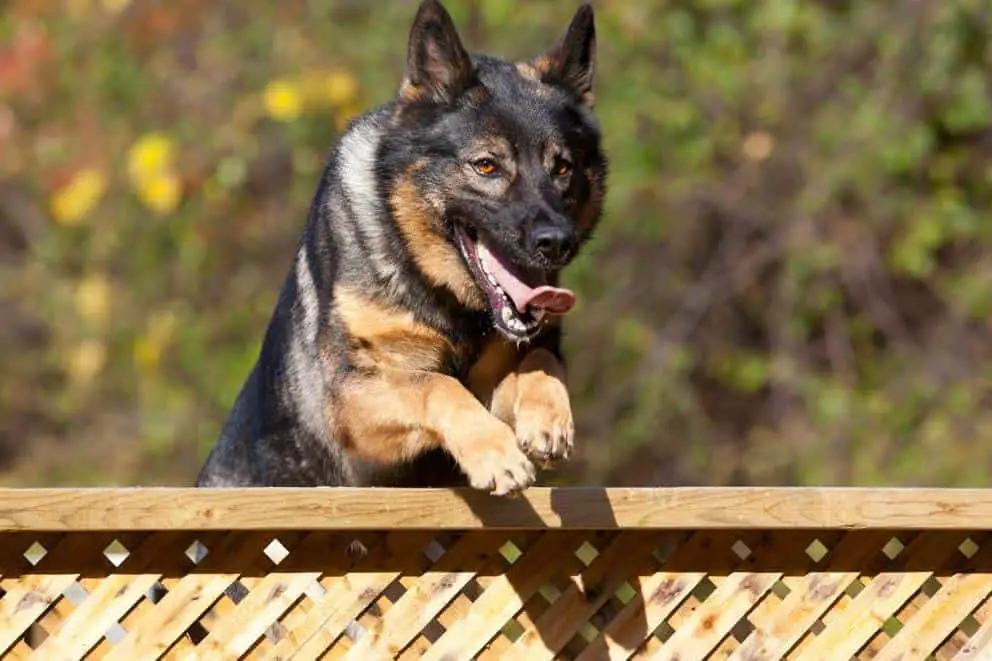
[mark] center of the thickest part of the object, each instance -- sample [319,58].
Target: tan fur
[527,70]
[435,256]
[533,399]
[410,93]
[388,338]
[499,358]
[398,414]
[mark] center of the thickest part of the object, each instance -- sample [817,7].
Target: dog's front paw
[496,464]
[545,429]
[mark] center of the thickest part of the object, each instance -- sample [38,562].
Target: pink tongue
[554,300]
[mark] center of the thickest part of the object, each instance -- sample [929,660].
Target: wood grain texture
[131,509]
[744,594]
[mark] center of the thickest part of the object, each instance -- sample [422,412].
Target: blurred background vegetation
[792,284]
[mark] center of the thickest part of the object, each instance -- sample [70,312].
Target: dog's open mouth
[520,298]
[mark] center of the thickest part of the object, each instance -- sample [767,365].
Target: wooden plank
[342,508]
[813,596]
[192,596]
[940,616]
[504,597]
[243,624]
[350,594]
[659,594]
[734,597]
[628,554]
[111,597]
[29,596]
[431,592]
[980,641]
[883,596]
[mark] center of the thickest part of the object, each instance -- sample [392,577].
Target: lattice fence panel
[488,594]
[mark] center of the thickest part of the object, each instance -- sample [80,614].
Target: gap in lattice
[586,553]
[354,631]
[931,586]
[817,550]
[588,632]
[969,626]
[116,553]
[892,626]
[893,548]
[818,627]
[781,590]
[741,550]
[434,551]
[663,631]
[512,630]
[236,591]
[394,591]
[276,551]
[742,629]
[968,548]
[315,591]
[35,553]
[550,592]
[433,631]
[472,590]
[854,588]
[510,551]
[35,636]
[704,589]
[625,593]
[115,633]
[196,552]
[75,593]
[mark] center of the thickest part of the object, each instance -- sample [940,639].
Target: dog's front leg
[533,399]
[392,416]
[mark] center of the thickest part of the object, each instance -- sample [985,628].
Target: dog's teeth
[507,316]
[538,315]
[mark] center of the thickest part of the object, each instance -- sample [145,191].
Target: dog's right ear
[438,69]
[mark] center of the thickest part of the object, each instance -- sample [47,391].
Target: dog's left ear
[438,69]
[571,62]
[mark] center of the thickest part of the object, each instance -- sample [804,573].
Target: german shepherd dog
[416,339]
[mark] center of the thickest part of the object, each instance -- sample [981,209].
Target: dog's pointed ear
[572,61]
[438,69]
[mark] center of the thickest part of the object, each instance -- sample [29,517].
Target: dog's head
[506,160]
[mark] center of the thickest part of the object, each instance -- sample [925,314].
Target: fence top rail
[118,509]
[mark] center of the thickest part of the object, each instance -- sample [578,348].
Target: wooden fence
[584,574]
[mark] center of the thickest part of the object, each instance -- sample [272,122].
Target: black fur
[278,433]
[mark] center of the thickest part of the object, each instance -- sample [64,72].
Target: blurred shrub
[792,283]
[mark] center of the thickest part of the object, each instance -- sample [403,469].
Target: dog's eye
[486,167]
[561,167]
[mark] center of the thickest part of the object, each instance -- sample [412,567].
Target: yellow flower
[92,298]
[86,361]
[75,200]
[161,193]
[149,156]
[282,100]
[341,87]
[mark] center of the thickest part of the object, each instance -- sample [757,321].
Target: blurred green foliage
[792,284]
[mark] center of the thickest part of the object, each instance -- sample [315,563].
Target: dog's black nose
[552,242]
